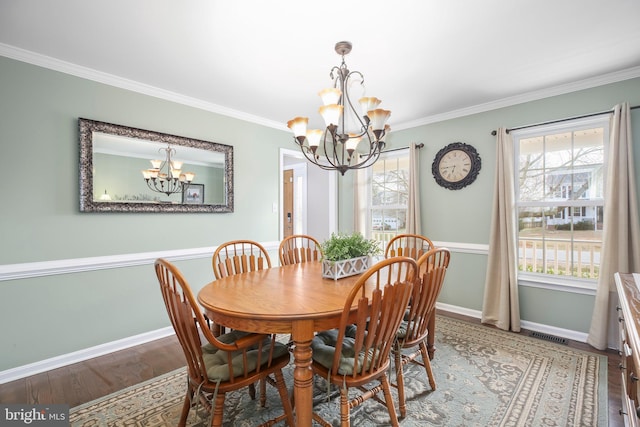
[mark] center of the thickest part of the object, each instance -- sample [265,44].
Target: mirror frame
[87,203]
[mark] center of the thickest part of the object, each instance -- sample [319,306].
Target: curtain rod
[562,120]
[402,148]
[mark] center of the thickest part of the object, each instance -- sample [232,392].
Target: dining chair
[299,248]
[235,257]
[356,355]
[239,256]
[412,335]
[222,364]
[411,245]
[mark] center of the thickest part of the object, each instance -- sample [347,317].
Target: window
[388,194]
[560,197]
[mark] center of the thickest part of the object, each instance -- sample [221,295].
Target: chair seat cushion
[216,360]
[402,330]
[324,347]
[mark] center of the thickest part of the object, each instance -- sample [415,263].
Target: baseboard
[525,324]
[81,355]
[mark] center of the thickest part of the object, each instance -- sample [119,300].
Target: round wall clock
[456,166]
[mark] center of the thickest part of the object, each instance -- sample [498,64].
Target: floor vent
[548,337]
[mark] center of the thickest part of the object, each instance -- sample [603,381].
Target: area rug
[484,377]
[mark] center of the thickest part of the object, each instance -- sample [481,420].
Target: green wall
[50,316]
[464,216]
[40,219]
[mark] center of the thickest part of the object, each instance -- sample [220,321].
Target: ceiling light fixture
[345,127]
[166,176]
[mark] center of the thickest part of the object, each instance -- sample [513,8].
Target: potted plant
[347,254]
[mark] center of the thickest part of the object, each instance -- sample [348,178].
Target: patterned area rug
[484,377]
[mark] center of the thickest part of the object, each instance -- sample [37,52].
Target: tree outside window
[389,196]
[560,198]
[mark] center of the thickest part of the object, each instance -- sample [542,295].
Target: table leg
[431,338]
[302,334]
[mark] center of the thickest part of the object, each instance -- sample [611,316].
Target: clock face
[456,166]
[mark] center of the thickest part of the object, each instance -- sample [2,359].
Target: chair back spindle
[239,256]
[409,245]
[299,248]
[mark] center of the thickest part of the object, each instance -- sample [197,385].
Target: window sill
[555,283]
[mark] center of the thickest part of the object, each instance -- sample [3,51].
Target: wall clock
[456,166]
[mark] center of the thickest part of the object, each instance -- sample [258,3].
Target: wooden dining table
[293,299]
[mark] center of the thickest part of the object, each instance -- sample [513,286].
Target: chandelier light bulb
[368,103]
[352,142]
[331,114]
[313,137]
[378,118]
[330,96]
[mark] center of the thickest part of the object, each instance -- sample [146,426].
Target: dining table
[292,299]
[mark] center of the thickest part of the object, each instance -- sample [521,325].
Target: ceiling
[265,61]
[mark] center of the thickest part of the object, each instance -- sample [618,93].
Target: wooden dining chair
[239,256]
[299,248]
[411,245]
[356,355]
[222,364]
[413,332]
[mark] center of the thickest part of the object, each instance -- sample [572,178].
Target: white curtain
[621,240]
[501,305]
[413,210]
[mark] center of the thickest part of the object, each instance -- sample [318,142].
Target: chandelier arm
[369,161]
[305,151]
[338,157]
[354,111]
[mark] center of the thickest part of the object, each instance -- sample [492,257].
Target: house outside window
[388,196]
[560,186]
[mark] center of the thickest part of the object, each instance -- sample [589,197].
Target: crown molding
[132,85]
[589,83]
[135,86]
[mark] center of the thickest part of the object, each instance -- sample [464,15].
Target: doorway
[312,199]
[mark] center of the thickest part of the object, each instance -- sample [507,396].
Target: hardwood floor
[85,381]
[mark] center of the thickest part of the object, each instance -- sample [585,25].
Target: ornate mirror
[117,173]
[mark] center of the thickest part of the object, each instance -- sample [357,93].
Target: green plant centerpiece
[346,255]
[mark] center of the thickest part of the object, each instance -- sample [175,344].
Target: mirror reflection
[135,170]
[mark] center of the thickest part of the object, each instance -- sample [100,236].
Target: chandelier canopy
[166,176]
[345,128]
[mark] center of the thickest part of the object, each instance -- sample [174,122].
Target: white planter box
[349,267]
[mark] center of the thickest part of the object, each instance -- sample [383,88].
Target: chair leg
[186,407]
[252,391]
[284,396]
[386,389]
[427,365]
[263,393]
[217,410]
[400,382]
[344,407]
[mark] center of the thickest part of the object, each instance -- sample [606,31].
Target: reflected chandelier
[345,127]
[166,176]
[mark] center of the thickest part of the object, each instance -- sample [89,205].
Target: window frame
[384,156]
[553,281]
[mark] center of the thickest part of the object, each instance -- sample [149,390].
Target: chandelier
[166,176]
[345,127]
